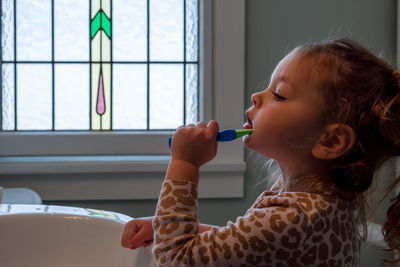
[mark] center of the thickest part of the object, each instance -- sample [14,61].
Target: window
[93,65]
[131,163]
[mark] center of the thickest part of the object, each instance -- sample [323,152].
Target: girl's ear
[336,141]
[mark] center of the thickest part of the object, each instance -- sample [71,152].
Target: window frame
[143,156]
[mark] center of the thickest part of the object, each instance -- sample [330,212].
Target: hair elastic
[395,73]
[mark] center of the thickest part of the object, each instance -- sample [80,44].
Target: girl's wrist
[182,170]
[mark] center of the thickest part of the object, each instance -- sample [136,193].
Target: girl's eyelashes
[278,97]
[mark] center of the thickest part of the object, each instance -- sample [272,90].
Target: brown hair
[362,91]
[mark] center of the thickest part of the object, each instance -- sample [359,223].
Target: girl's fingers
[125,240]
[201,124]
[124,237]
[129,230]
[139,238]
[213,126]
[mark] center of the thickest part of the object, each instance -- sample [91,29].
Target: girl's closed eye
[278,97]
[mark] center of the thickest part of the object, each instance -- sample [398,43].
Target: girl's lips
[248,124]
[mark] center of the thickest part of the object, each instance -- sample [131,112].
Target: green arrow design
[100,22]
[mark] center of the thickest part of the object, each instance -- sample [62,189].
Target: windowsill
[100,164]
[113,177]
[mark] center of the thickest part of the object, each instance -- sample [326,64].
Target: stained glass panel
[100,74]
[34,30]
[8,97]
[7,30]
[130,31]
[192,21]
[34,97]
[166,30]
[129,96]
[166,96]
[71,99]
[99,64]
[191,93]
[70,30]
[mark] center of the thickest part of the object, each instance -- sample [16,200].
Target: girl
[329,118]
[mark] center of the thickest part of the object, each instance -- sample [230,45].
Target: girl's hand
[195,144]
[137,233]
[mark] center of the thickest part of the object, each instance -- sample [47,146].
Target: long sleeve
[277,230]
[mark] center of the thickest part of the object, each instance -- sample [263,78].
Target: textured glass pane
[95,6]
[166,30]
[192,21]
[166,96]
[34,30]
[7,30]
[8,97]
[71,97]
[130,30]
[71,30]
[129,96]
[34,97]
[191,93]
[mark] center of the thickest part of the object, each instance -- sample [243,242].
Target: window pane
[191,94]
[7,30]
[71,30]
[34,30]
[192,21]
[130,30]
[129,96]
[71,97]
[166,96]
[34,97]
[166,30]
[8,97]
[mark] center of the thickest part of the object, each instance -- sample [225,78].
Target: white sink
[57,236]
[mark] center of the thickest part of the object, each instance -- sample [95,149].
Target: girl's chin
[246,139]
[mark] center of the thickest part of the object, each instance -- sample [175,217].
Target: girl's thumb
[213,125]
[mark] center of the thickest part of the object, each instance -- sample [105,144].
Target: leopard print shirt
[280,229]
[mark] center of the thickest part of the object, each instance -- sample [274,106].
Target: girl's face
[286,116]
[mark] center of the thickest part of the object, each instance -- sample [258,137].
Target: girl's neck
[312,180]
[310,183]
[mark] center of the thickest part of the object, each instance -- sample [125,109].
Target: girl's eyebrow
[286,80]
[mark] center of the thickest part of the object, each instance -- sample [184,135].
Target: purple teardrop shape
[101,104]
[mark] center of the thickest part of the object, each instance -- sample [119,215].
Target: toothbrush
[226,135]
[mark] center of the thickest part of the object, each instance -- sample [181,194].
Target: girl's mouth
[248,124]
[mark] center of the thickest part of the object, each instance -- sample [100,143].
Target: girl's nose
[255,98]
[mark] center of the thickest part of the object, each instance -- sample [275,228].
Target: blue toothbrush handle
[226,135]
